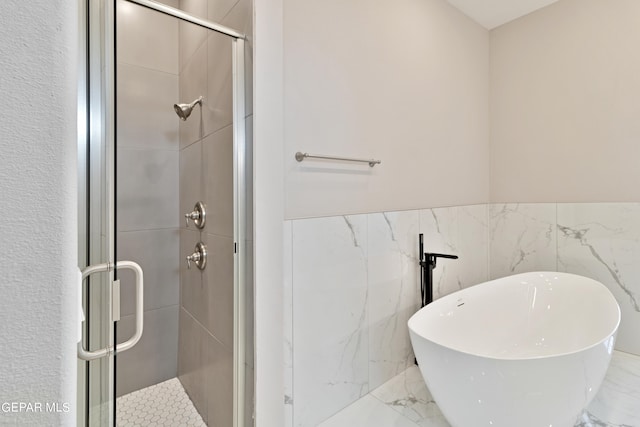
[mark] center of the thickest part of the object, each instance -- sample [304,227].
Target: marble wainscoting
[602,241]
[351,284]
[596,240]
[522,238]
[405,401]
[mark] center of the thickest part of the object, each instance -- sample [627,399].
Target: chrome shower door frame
[96,171]
[96,210]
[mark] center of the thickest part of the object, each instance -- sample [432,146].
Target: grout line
[147,148]
[557,243]
[164,307]
[149,229]
[490,245]
[203,327]
[129,64]
[293,371]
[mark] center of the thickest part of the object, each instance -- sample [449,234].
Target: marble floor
[163,404]
[404,401]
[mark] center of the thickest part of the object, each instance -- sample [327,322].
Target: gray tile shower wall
[205,355]
[351,283]
[147,190]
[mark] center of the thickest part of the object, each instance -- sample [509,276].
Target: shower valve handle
[198,216]
[198,257]
[191,216]
[195,257]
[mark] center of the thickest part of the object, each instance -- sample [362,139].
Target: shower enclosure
[165,172]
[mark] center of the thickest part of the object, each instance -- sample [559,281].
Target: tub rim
[599,342]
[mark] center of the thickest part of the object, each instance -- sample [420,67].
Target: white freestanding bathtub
[528,350]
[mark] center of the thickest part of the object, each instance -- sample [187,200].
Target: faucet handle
[198,257]
[195,215]
[198,215]
[431,257]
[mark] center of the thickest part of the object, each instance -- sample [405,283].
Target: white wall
[268,190]
[405,82]
[38,225]
[564,104]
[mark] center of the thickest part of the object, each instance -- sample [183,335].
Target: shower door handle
[139,286]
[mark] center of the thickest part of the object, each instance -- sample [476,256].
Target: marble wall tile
[329,316]
[602,241]
[440,236]
[523,238]
[365,268]
[461,231]
[341,262]
[393,291]
[288,324]
[473,245]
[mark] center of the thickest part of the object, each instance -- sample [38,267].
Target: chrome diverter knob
[198,216]
[198,257]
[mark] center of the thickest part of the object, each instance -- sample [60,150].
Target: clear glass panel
[170,157]
[195,319]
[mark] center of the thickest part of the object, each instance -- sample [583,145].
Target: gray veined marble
[461,231]
[288,324]
[330,298]
[523,238]
[602,241]
[393,294]
[617,404]
[581,236]
[352,282]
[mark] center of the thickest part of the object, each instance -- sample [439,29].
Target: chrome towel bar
[301,156]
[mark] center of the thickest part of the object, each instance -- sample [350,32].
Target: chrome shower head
[184,110]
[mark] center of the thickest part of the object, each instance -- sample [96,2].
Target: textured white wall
[404,81]
[564,104]
[38,224]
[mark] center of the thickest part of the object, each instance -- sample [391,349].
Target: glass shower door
[100,289]
[102,161]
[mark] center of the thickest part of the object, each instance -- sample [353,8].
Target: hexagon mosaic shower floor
[163,404]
